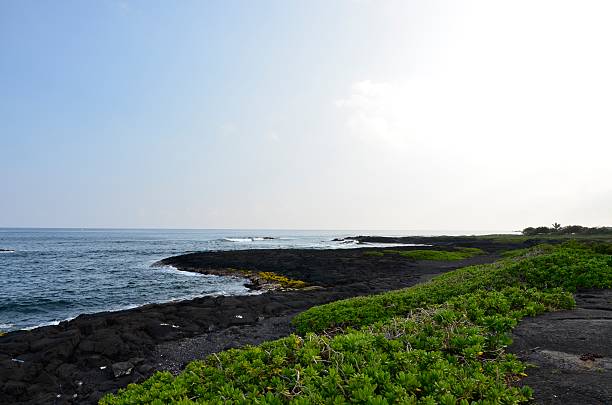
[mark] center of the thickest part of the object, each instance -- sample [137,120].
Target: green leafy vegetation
[439,342]
[435,255]
[505,238]
[422,254]
[283,281]
[569,267]
[266,279]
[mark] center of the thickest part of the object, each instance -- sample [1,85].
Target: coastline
[99,353]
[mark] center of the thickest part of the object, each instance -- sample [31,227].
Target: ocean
[51,275]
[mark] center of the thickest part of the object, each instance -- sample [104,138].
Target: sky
[347,114]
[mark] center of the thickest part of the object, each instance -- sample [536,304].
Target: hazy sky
[305,114]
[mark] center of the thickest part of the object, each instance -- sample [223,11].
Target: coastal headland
[81,360]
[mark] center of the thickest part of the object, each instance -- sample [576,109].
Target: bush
[567,230]
[443,354]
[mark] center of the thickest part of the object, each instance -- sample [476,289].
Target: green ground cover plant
[569,266]
[269,278]
[283,281]
[435,255]
[439,342]
[422,254]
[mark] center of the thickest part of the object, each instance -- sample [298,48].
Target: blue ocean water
[50,275]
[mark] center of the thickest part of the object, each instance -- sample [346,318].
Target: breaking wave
[248,239]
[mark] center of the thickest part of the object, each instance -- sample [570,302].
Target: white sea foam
[117,267]
[50,323]
[391,244]
[249,239]
[238,240]
[10,327]
[350,244]
[171,269]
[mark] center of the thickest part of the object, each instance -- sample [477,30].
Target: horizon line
[241,229]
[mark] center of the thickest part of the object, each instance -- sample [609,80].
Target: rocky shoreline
[80,360]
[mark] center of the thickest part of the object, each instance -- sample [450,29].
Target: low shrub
[444,354]
[569,266]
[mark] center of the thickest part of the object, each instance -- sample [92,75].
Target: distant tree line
[557,229]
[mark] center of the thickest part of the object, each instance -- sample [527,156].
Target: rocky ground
[571,352]
[80,360]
